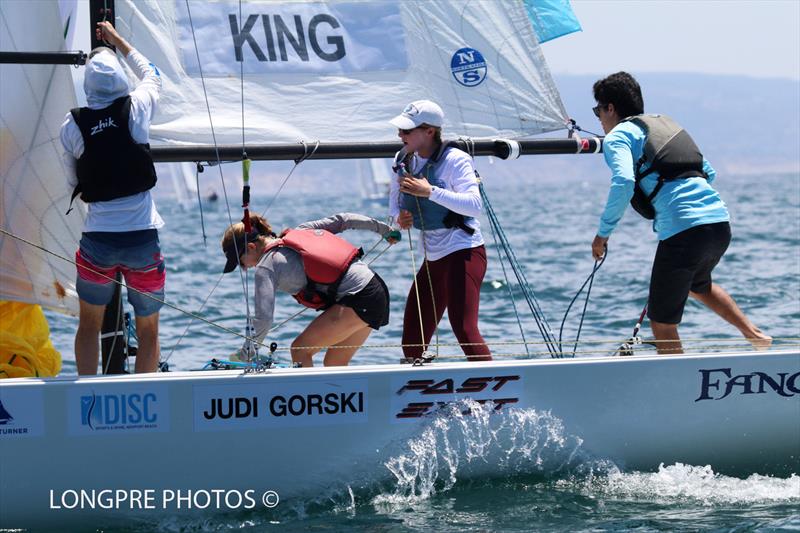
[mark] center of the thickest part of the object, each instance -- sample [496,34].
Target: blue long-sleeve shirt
[679,205]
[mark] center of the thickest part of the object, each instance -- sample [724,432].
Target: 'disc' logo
[468,67]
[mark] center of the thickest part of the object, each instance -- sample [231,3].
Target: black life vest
[429,215]
[670,151]
[326,259]
[113,165]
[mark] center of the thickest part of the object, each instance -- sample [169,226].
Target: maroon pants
[456,282]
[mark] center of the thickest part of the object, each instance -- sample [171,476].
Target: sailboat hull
[302,432]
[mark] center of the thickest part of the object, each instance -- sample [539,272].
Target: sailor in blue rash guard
[657,168]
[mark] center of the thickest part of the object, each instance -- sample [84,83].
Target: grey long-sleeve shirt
[282,269]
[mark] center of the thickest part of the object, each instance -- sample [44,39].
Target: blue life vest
[429,215]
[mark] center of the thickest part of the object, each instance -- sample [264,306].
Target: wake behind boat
[178,431]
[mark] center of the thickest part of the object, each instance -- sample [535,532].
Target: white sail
[34,192]
[338,71]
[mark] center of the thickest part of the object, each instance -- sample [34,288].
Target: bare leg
[332,327]
[724,305]
[87,338]
[669,342]
[336,356]
[149,349]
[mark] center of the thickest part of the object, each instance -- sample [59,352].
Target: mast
[113,348]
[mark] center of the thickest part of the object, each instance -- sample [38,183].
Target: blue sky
[754,38]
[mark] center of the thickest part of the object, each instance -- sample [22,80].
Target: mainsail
[34,101]
[338,70]
[274,72]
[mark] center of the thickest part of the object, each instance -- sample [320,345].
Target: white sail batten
[338,71]
[34,101]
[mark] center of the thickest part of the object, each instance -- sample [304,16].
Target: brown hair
[437,132]
[234,236]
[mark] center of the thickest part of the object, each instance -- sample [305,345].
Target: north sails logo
[103,124]
[468,67]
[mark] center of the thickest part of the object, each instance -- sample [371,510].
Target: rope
[118,303]
[590,281]
[189,325]
[516,267]
[505,276]
[427,265]
[470,145]
[416,287]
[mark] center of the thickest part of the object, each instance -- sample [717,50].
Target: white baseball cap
[418,113]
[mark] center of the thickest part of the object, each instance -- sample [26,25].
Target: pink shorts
[135,254]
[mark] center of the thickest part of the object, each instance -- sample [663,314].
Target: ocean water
[550,221]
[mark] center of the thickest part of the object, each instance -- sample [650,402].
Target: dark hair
[622,90]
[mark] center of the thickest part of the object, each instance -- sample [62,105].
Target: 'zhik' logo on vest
[103,124]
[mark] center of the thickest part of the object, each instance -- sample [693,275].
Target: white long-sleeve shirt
[460,195]
[137,211]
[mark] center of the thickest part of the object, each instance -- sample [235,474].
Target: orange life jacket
[326,259]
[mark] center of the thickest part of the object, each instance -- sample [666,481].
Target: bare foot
[760,340]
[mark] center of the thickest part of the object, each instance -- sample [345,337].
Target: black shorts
[371,303]
[684,263]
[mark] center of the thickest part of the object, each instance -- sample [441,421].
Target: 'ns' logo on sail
[468,67]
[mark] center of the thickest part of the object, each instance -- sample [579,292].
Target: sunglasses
[597,109]
[408,132]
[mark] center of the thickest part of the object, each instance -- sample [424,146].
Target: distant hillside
[741,124]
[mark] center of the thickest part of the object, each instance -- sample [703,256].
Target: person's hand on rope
[405,219]
[106,32]
[599,247]
[415,186]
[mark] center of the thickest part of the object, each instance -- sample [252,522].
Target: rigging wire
[470,144]
[721,343]
[242,274]
[113,280]
[516,267]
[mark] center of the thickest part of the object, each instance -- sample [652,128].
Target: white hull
[159,433]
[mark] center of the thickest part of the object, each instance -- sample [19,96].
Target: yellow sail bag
[25,346]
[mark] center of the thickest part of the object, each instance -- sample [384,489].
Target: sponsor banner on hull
[417,397]
[21,412]
[305,403]
[118,409]
[720,383]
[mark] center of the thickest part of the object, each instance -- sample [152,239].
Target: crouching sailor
[106,144]
[321,271]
